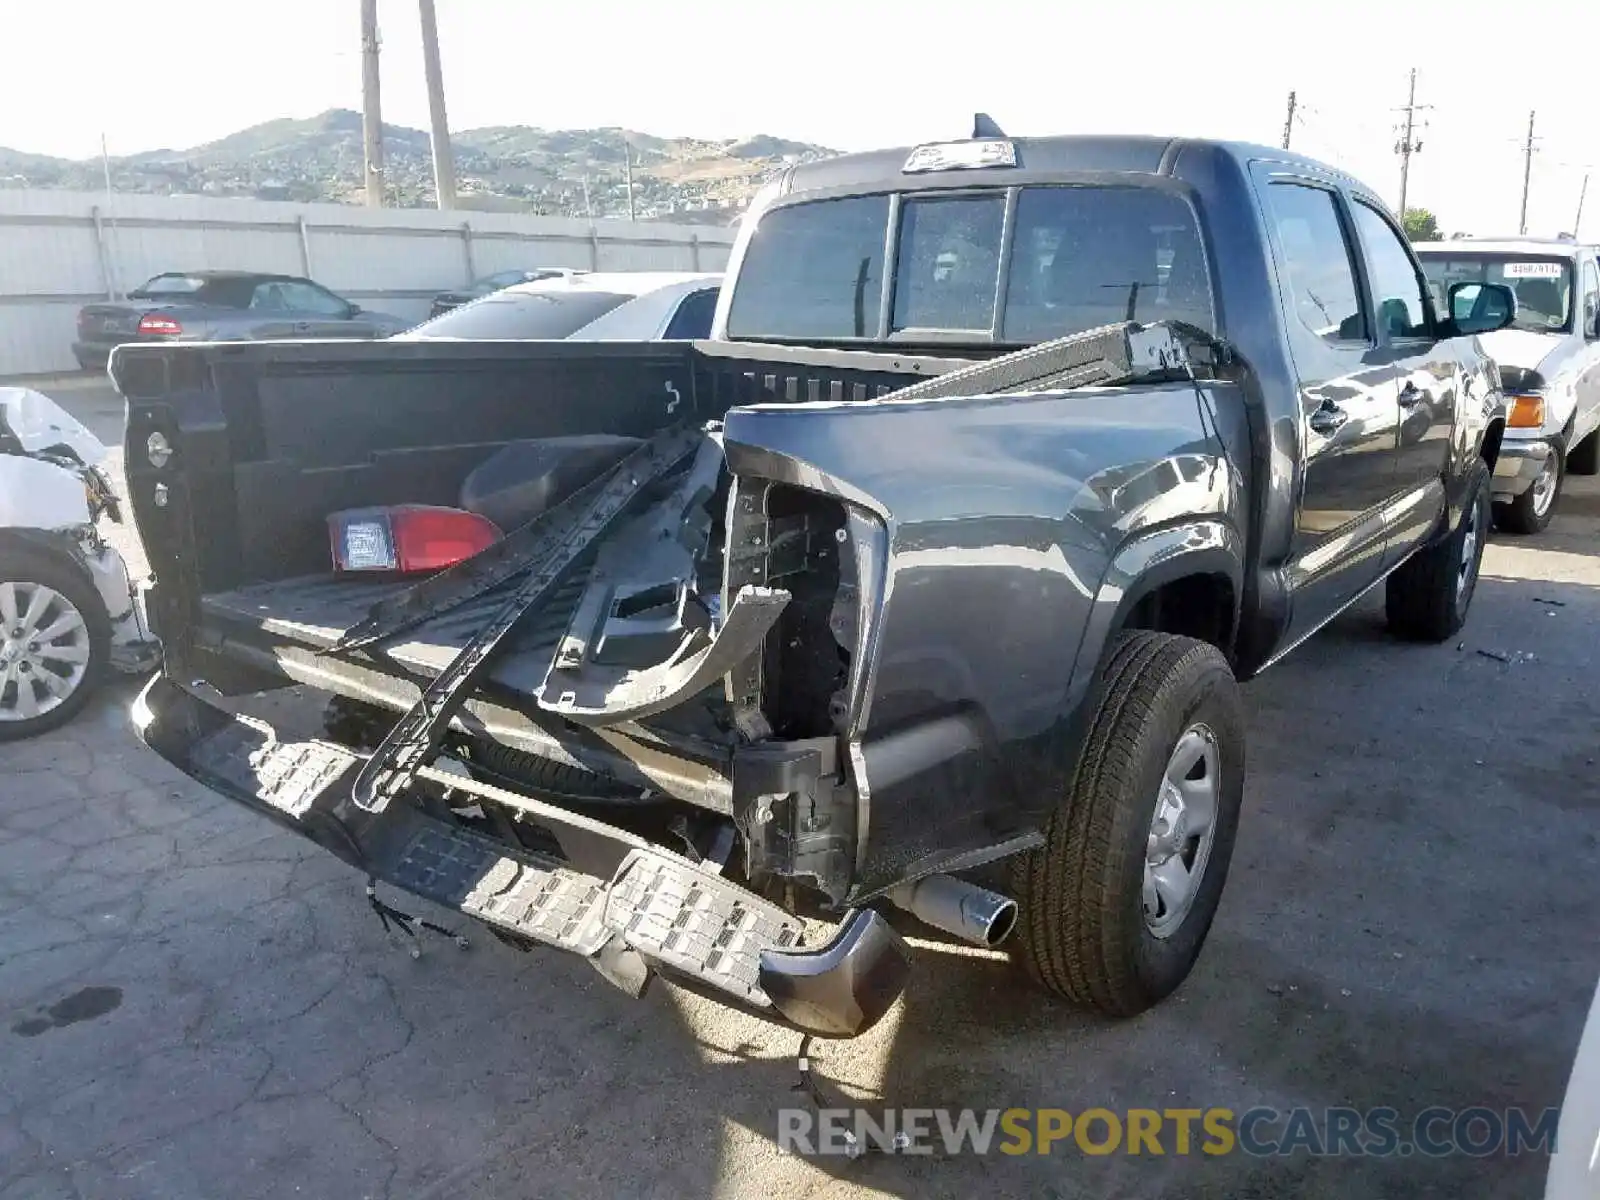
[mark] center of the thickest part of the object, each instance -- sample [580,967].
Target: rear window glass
[227,292]
[948,263]
[1088,256]
[170,285]
[814,271]
[519,316]
[1080,256]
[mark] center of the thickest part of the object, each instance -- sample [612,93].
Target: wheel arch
[42,543]
[1184,579]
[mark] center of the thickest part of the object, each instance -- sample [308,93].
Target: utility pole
[371,110]
[1408,143]
[1582,192]
[1527,173]
[444,163]
[588,209]
[627,157]
[1288,122]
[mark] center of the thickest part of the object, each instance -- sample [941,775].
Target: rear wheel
[1531,512]
[55,639]
[1117,904]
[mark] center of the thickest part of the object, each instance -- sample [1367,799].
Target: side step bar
[648,911]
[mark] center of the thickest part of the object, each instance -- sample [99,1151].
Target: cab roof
[1543,247]
[1038,159]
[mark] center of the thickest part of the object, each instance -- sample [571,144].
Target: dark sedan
[445,301]
[223,306]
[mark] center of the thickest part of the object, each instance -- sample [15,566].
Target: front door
[1349,411]
[1428,375]
[318,313]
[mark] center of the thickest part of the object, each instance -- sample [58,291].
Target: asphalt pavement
[194,1004]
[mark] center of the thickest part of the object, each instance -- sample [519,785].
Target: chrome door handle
[1411,396]
[1328,418]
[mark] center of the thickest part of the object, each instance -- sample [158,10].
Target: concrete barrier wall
[60,250]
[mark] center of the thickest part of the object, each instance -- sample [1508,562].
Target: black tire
[1427,597]
[43,569]
[1584,458]
[1530,512]
[1082,927]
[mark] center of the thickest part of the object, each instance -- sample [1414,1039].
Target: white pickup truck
[1549,360]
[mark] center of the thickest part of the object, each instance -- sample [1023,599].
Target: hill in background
[564,172]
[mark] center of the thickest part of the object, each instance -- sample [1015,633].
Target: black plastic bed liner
[316,611]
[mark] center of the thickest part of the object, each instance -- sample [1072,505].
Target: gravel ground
[193,1004]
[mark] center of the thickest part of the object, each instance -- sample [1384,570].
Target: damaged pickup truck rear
[925,586]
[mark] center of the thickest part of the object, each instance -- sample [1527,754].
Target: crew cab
[926,584]
[1549,361]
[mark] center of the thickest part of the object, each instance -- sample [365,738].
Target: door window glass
[1402,312]
[1591,296]
[307,297]
[1317,260]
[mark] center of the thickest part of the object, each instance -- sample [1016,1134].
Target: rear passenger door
[1348,408]
[1427,376]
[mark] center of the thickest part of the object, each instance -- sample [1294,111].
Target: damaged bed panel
[985,527]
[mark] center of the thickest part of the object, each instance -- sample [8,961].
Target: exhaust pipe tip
[959,908]
[1002,923]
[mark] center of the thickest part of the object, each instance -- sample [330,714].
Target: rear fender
[1150,562]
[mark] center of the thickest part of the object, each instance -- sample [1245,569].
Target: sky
[857,74]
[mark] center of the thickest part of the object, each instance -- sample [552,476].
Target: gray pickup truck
[922,589]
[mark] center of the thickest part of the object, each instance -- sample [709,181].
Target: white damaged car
[1549,360]
[68,610]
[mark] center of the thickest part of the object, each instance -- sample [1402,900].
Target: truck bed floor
[316,610]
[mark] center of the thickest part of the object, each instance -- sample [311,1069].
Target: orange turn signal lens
[1527,412]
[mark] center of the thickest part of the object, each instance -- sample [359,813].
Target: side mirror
[1480,308]
[355,310]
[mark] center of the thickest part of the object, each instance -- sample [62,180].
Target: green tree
[1421,225]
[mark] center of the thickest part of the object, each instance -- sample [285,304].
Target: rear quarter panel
[1000,523]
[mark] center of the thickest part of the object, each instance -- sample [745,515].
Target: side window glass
[692,321]
[305,297]
[1318,261]
[1395,286]
[268,297]
[1591,296]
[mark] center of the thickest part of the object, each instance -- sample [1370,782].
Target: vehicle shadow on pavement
[1407,923]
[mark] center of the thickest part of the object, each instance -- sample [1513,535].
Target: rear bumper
[1518,466]
[630,907]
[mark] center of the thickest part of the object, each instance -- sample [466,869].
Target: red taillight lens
[158,324]
[407,538]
